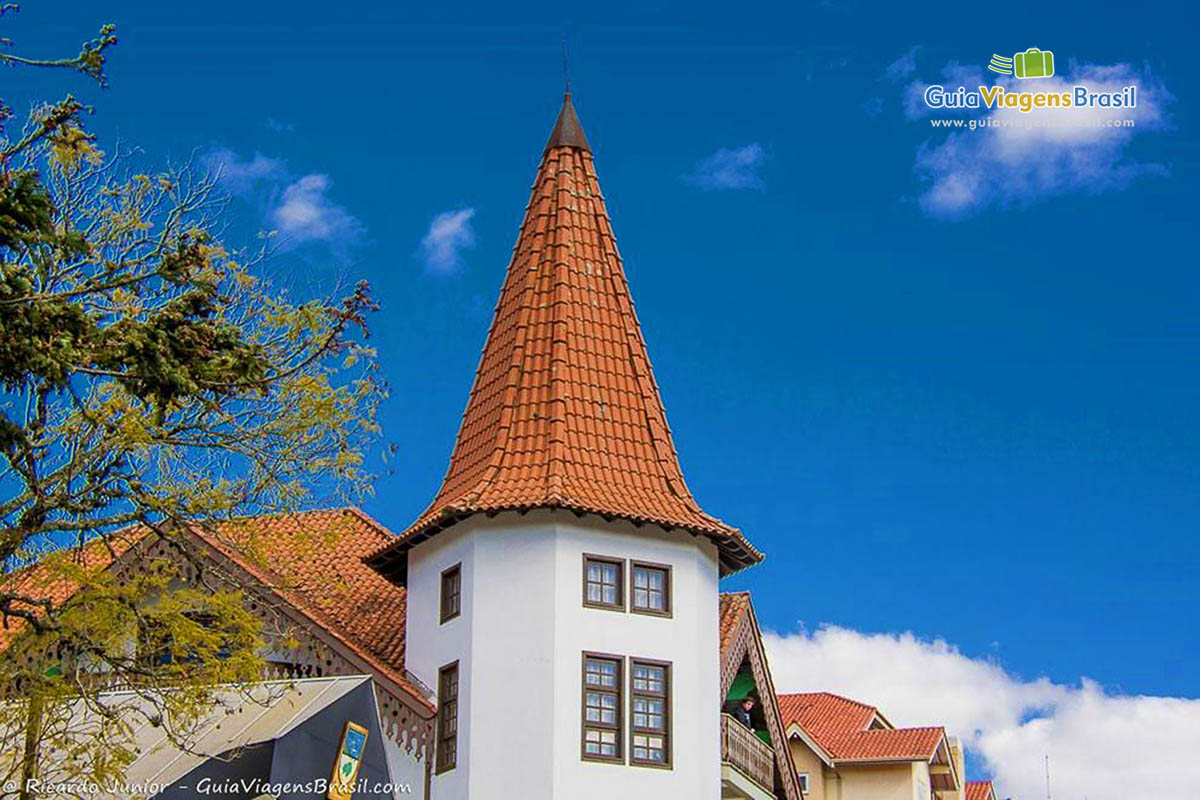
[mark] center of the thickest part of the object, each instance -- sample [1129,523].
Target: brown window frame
[447,759]
[619,563]
[668,586]
[665,696]
[444,611]
[619,708]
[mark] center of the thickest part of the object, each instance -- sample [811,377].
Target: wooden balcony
[750,758]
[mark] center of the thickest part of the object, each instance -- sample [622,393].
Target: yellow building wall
[898,782]
[807,762]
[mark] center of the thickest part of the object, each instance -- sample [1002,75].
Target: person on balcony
[741,712]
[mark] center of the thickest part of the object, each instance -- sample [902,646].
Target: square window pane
[600,743]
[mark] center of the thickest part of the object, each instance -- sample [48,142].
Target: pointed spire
[564,412]
[567,130]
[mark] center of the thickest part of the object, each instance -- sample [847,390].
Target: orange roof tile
[980,790]
[732,608]
[38,582]
[564,411]
[848,730]
[887,745]
[826,717]
[330,584]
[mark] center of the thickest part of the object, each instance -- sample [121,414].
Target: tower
[562,585]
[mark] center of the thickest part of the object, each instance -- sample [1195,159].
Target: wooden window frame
[619,563]
[668,588]
[443,762]
[445,614]
[617,729]
[665,696]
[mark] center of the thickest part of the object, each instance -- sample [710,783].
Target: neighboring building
[324,611]
[755,761]
[847,750]
[980,790]
[560,593]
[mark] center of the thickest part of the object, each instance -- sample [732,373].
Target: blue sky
[971,415]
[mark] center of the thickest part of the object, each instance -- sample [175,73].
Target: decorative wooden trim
[316,651]
[746,643]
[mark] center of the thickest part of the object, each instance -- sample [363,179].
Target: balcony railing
[742,749]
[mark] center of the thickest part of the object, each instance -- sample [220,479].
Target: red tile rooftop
[564,412]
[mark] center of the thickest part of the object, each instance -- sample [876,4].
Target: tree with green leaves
[150,379]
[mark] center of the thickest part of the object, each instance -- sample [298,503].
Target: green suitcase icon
[1033,63]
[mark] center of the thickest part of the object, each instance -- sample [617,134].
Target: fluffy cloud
[243,175]
[305,213]
[297,208]
[730,169]
[449,233]
[1021,158]
[1102,746]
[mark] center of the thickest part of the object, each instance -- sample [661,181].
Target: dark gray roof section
[567,130]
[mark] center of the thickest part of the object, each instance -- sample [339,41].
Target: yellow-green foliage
[152,378]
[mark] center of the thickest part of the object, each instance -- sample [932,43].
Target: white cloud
[305,213]
[730,169]
[243,176]
[1023,158]
[449,233]
[1102,745]
[298,209]
[903,66]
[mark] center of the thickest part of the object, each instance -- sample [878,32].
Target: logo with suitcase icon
[1033,63]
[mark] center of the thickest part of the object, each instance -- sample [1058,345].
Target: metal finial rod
[566,72]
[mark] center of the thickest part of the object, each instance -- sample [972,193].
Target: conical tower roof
[565,412]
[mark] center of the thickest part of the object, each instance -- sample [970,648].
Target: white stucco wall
[519,644]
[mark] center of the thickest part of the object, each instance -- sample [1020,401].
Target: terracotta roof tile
[732,608]
[824,716]
[980,790]
[38,581]
[848,730]
[565,411]
[330,584]
[886,745]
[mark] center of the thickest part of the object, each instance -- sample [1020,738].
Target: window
[447,721]
[451,604]
[651,589]
[602,684]
[804,782]
[650,717]
[603,582]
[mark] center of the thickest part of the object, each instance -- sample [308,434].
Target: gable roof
[980,790]
[732,607]
[894,744]
[847,730]
[741,640]
[313,560]
[39,582]
[564,412]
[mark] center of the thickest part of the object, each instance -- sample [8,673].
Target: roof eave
[734,552]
